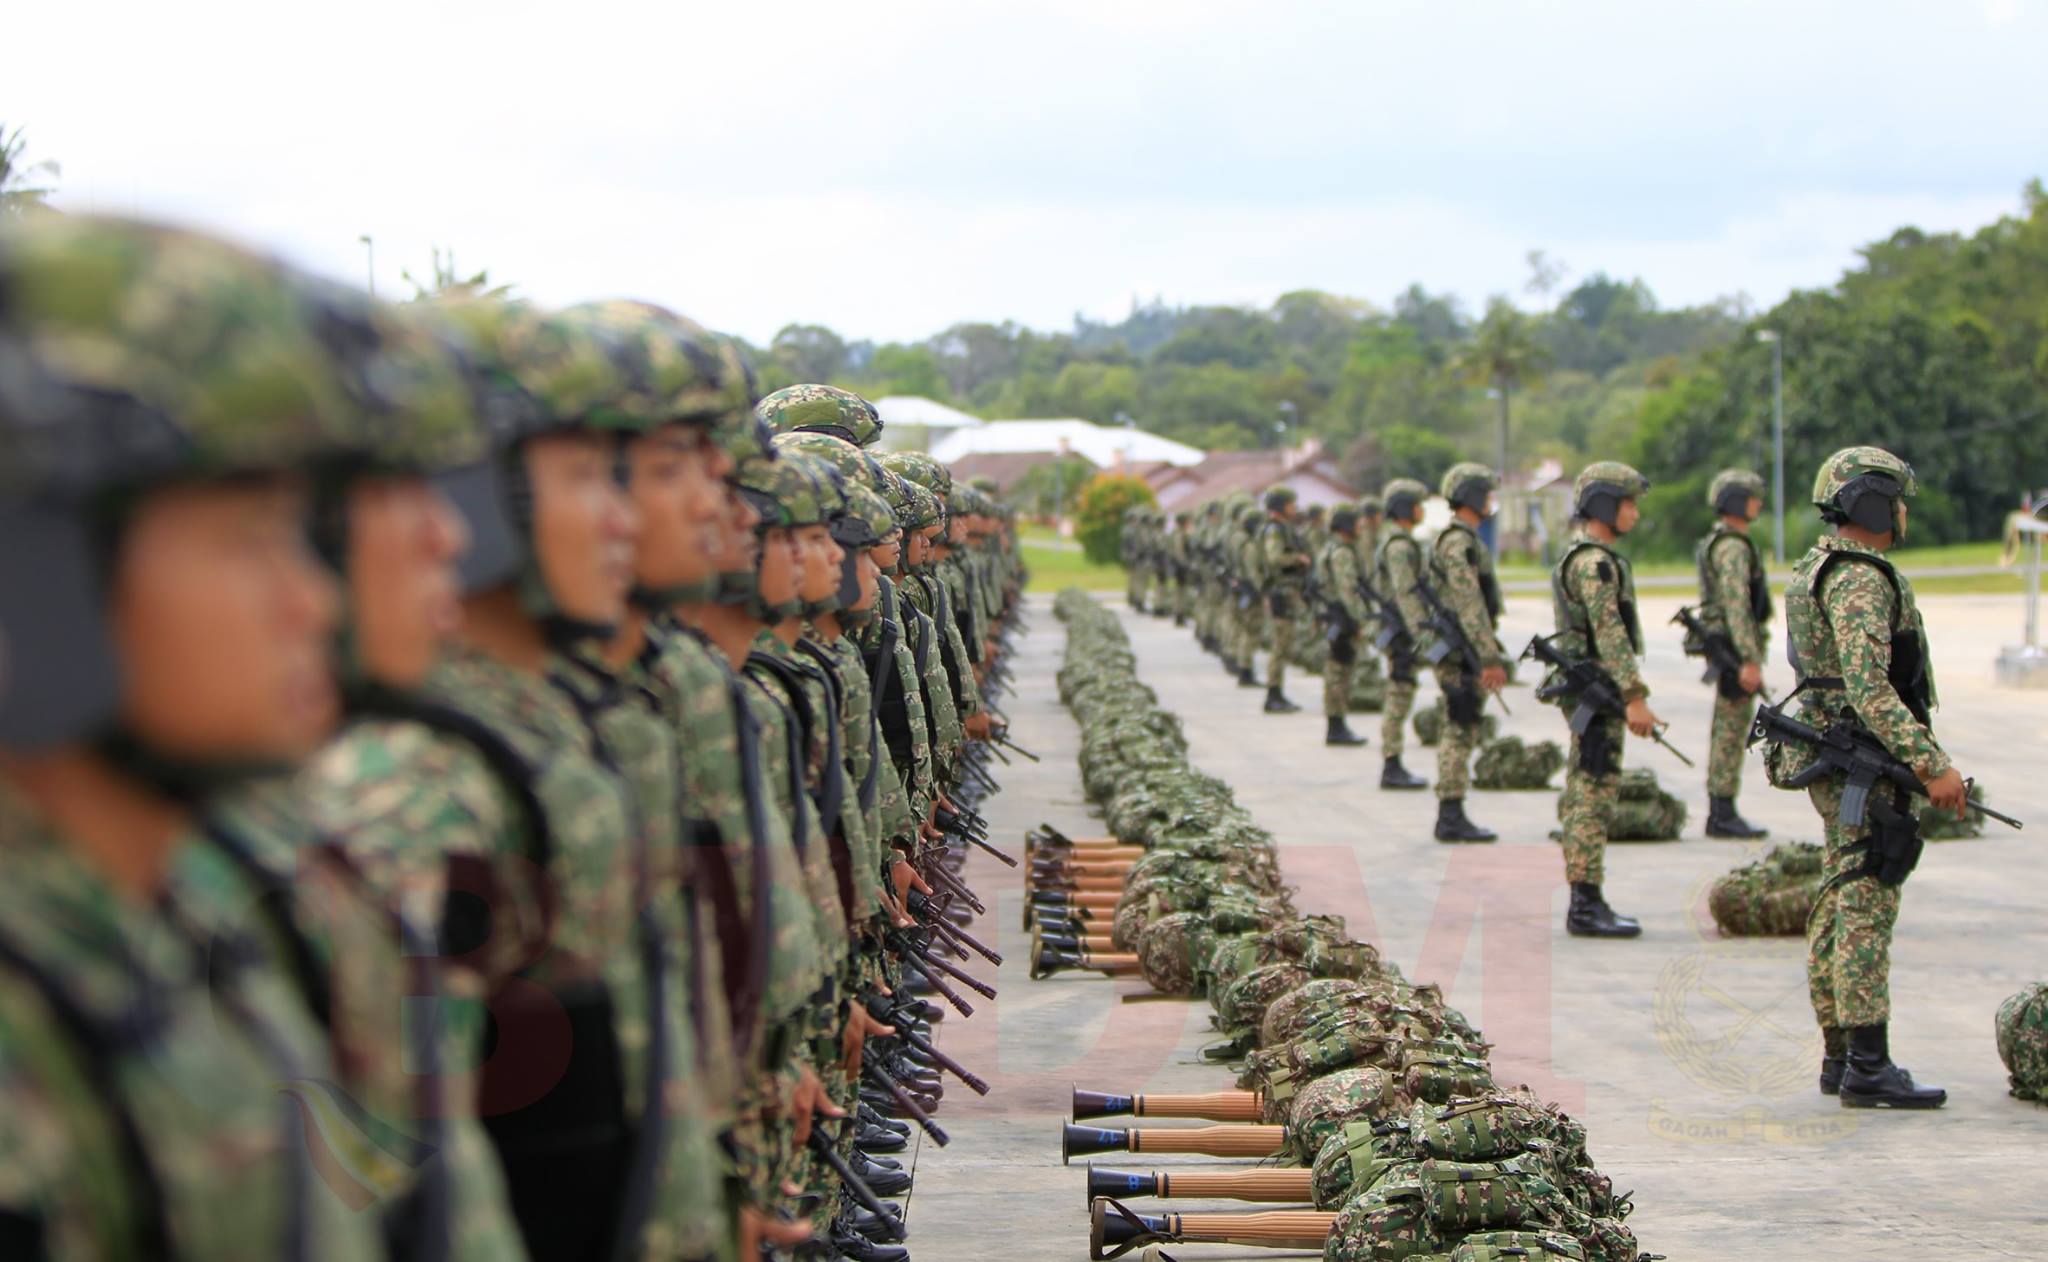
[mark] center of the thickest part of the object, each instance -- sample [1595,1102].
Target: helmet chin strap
[186,781]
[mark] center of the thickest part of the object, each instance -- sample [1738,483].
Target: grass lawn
[1054,569]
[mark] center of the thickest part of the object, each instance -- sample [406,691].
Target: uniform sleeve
[1404,569]
[1858,603]
[1467,603]
[1343,578]
[1597,589]
[1728,562]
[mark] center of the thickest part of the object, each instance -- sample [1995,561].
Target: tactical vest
[1475,553]
[1810,641]
[1573,617]
[1759,593]
[1383,577]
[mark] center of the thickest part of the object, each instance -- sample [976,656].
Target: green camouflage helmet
[133,354]
[825,410]
[1864,485]
[785,491]
[924,508]
[1277,498]
[1600,488]
[1370,506]
[1732,489]
[921,469]
[986,485]
[670,369]
[867,520]
[1403,496]
[1467,484]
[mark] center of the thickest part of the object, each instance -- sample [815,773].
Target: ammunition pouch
[1280,602]
[1400,659]
[1600,747]
[1343,636]
[1892,844]
[1463,702]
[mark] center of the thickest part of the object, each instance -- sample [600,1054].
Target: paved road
[1689,1057]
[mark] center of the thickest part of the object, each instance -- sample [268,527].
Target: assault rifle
[1715,646]
[1450,637]
[1392,625]
[1586,682]
[1850,750]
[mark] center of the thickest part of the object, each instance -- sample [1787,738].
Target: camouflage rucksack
[1326,1105]
[1517,1246]
[1438,1078]
[1306,1004]
[1773,895]
[1386,1223]
[2023,1041]
[1357,1156]
[1643,811]
[1491,1127]
[1171,948]
[1476,1196]
[1509,764]
[1241,1004]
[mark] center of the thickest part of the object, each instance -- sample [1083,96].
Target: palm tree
[1502,354]
[17,195]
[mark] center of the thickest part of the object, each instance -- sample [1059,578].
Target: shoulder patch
[1604,570]
[1471,556]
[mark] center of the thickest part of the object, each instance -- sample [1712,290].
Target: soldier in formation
[1341,581]
[473,778]
[1464,603]
[1594,596]
[1398,566]
[1281,562]
[1864,666]
[1735,609]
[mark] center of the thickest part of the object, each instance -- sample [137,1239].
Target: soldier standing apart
[1595,594]
[1283,561]
[1735,604]
[1461,577]
[1397,568]
[1861,653]
[1344,607]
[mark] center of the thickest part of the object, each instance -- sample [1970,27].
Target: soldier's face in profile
[224,621]
[870,579]
[1626,517]
[584,525]
[680,501]
[404,539]
[781,566]
[1755,508]
[888,554]
[738,549]
[821,555]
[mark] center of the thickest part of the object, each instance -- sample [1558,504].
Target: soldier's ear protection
[1601,502]
[1871,501]
[1733,501]
[1471,493]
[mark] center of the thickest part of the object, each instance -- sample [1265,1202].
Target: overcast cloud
[890,168]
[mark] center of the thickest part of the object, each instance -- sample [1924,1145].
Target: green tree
[19,192]
[809,352]
[1099,513]
[1503,355]
[444,279]
[1051,490]
[899,369]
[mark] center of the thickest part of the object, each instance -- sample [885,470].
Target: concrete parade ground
[1690,1058]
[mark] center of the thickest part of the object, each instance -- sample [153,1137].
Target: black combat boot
[1180,620]
[1245,678]
[1871,1081]
[1277,702]
[1722,821]
[1340,732]
[1394,776]
[1834,1057]
[1451,824]
[1591,917]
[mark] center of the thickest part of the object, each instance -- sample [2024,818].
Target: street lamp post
[1777,345]
[370,261]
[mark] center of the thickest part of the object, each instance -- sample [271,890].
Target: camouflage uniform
[167,1086]
[1339,576]
[1461,575]
[1397,568]
[1861,653]
[1595,595]
[1283,561]
[1735,601]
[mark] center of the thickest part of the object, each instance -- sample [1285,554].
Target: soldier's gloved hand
[1641,719]
[1493,678]
[1751,677]
[1948,792]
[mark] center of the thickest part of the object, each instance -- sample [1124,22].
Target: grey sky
[889,168]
